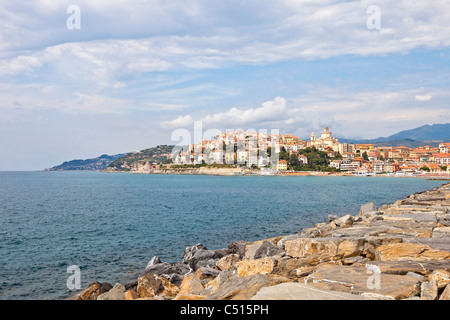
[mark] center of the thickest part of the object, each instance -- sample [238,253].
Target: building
[303,159]
[282,165]
[442,159]
[444,148]
[351,166]
[364,147]
[346,148]
[325,141]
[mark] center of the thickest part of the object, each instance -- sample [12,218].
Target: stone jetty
[400,251]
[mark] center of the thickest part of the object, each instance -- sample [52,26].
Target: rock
[445,295]
[442,278]
[419,277]
[116,293]
[199,256]
[191,285]
[155,260]
[358,280]
[409,251]
[131,295]
[213,285]
[351,247]
[261,250]
[152,285]
[94,290]
[303,247]
[424,268]
[444,219]
[257,266]
[354,260]
[191,297]
[331,218]
[238,247]
[243,288]
[204,273]
[228,262]
[299,291]
[345,221]
[293,268]
[325,248]
[429,290]
[373,242]
[367,208]
[131,285]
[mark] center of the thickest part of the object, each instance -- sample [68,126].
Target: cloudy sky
[137,70]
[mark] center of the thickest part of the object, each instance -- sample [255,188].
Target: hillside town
[287,153]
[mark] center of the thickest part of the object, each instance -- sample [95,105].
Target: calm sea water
[111,225]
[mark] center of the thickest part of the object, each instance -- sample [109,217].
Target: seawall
[397,251]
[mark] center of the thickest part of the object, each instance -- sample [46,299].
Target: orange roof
[442,155]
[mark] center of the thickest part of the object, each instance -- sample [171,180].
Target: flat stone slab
[359,280]
[300,291]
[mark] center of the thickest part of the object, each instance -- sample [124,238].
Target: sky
[115,76]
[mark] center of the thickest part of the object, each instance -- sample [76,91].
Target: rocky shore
[400,251]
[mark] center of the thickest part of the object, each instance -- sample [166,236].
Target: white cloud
[350,115]
[161,36]
[180,122]
[423,98]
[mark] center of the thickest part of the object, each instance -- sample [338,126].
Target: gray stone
[299,291]
[332,217]
[262,250]
[244,288]
[419,277]
[429,290]
[345,221]
[367,208]
[238,247]
[199,256]
[363,280]
[445,295]
[116,293]
[155,260]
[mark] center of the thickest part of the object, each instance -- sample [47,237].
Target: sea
[109,225]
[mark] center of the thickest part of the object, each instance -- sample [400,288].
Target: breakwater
[397,251]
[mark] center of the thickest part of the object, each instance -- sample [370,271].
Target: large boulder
[367,209]
[116,293]
[256,266]
[152,285]
[238,247]
[199,256]
[244,288]
[410,252]
[172,272]
[94,290]
[262,249]
[429,290]
[364,281]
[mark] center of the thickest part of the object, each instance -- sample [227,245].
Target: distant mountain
[152,155]
[435,132]
[430,135]
[95,164]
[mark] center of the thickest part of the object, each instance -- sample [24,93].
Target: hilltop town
[287,154]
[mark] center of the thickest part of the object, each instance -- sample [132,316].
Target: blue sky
[138,70]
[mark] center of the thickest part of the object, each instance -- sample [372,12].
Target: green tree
[365,156]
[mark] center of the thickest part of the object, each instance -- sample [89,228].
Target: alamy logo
[73,22]
[373,22]
[74,281]
[374,281]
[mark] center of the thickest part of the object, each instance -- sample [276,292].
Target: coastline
[397,251]
[252,172]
